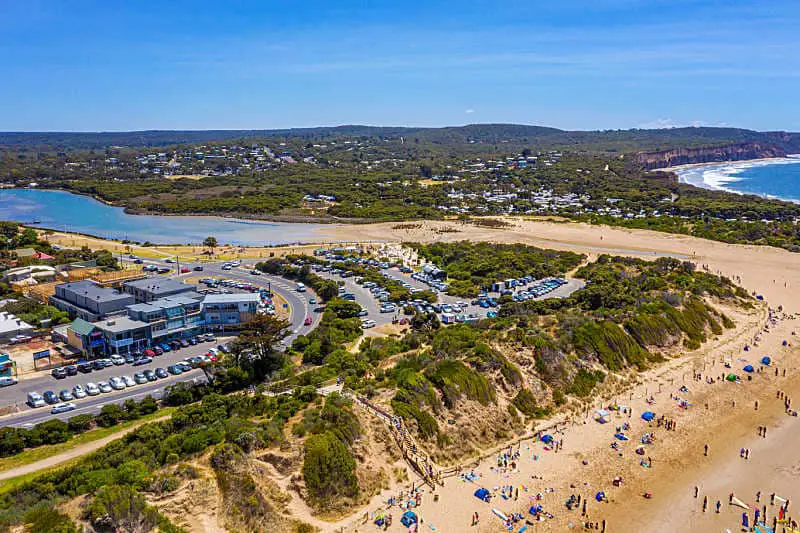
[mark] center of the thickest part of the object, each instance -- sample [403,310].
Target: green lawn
[43,452]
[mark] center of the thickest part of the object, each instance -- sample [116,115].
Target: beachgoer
[719,504]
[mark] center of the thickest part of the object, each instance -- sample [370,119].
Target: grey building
[87,300]
[152,288]
[229,311]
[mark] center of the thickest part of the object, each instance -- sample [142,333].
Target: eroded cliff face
[731,152]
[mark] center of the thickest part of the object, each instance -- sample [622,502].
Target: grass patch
[43,452]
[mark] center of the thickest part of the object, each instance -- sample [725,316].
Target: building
[169,318]
[37,273]
[149,289]
[11,327]
[163,320]
[87,300]
[230,311]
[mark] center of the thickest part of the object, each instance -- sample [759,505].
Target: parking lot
[17,394]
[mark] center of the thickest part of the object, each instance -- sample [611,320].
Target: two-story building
[152,288]
[229,311]
[89,301]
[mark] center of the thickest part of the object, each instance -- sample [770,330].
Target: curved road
[298,311]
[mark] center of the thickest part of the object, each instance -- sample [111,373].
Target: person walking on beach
[719,504]
[705,451]
[705,503]
[696,490]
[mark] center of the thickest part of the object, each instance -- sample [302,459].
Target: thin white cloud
[469,111]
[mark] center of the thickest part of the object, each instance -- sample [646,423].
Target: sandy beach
[678,463]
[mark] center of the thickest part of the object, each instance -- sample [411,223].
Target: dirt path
[78,451]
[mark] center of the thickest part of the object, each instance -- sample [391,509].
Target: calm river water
[65,211]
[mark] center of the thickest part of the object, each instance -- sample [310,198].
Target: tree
[258,344]
[48,520]
[343,308]
[211,243]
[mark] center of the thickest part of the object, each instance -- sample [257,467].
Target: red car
[149,353]
[211,356]
[307,321]
[184,270]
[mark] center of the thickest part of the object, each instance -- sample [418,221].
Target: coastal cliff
[730,152]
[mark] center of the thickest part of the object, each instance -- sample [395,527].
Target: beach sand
[677,456]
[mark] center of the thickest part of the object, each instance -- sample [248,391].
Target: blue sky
[574,64]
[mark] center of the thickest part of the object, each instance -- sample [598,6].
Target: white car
[79,392]
[35,399]
[117,359]
[92,389]
[63,408]
[128,381]
[6,382]
[116,383]
[366,324]
[104,387]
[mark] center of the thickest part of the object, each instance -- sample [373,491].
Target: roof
[163,303]
[231,298]
[10,323]
[81,327]
[119,324]
[93,291]
[24,252]
[158,285]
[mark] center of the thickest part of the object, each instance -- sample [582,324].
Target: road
[17,394]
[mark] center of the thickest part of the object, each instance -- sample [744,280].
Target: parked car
[198,268]
[35,399]
[150,375]
[142,361]
[63,408]
[184,366]
[149,353]
[129,382]
[164,346]
[193,341]
[175,370]
[116,383]
[92,389]
[117,359]
[175,345]
[79,392]
[210,337]
[104,386]
[7,382]
[58,373]
[98,364]
[71,370]
[66,395]
[50,397]
[140,378]
[85,367]
[129,358]
[184,343]
[158,350]
[161,373]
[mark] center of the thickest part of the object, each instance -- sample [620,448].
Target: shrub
[329,468]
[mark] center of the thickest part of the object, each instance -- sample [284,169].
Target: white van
[300,287]
[35,399]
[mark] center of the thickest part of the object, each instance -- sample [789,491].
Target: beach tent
[408,518]
[600,496]
[648,416]
[547,439]
[731,377]
[535,509]
[766,361]
[602,416]
[482,494]
[761,528]
[739,503]
[748,368]
[620,436]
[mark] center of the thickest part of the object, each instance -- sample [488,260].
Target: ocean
[770,178]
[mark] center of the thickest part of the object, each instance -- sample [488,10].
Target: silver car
[104,387]
[92,389]
[116,383]
[78,391]
[129,382]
